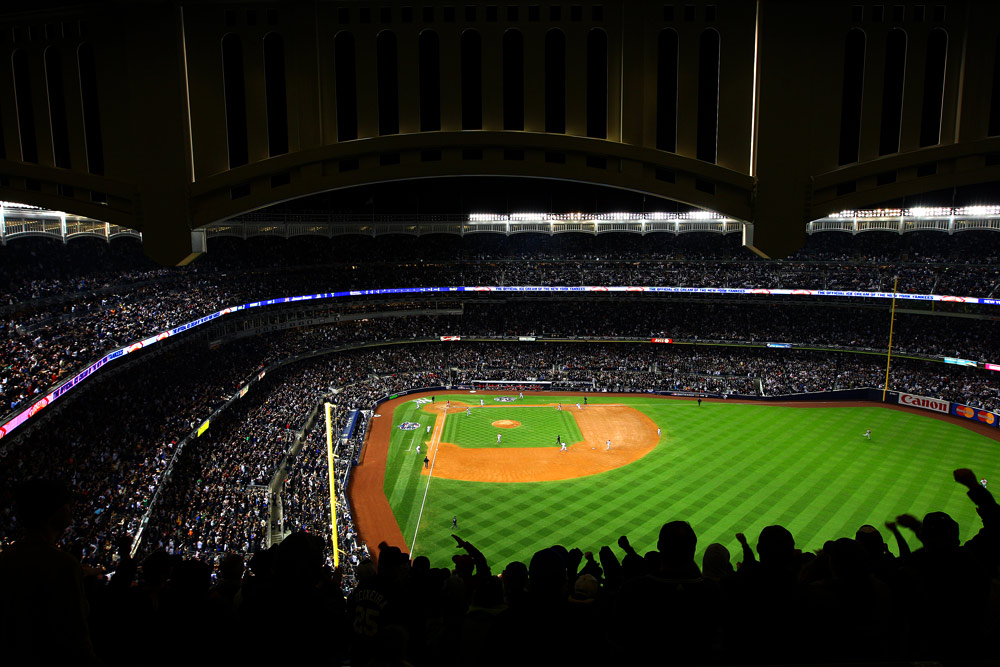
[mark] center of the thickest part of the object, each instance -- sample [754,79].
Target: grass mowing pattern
[725,468]
[539,427]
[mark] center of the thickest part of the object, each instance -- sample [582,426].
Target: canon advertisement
[935,404]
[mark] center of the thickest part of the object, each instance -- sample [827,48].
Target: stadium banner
[243,390]
[203,427]
[992,367]
[975,414]
[526,339]
[450,338]
[352,422]
[661,340]
[925,402]
[959,362]
[779,345]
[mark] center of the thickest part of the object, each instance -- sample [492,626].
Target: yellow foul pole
[892,322]
[333,490]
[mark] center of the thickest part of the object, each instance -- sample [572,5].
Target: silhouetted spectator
[43,612]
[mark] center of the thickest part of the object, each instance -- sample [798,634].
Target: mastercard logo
[986,417]
[965,411]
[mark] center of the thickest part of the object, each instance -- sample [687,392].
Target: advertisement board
[925,402]
[975,414]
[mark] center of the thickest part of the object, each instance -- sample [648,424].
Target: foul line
[435,440]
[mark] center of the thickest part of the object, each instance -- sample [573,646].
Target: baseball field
[724,467]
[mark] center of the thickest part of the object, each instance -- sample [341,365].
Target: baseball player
[428,428]
[562,447]
[426,462]
[657,432]
[481,404]
[609,446]
[468,412]
[520,394]
[559,407]
[454,522]
[868,434]
[578,407]
[498,438]
[418,449]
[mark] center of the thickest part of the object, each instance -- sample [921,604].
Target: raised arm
[749,558]
[901,545]
[482,567]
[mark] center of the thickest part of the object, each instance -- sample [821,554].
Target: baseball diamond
[718,464]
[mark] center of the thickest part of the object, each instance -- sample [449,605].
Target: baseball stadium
[508,334]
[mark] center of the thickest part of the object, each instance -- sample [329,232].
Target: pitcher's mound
[506,423]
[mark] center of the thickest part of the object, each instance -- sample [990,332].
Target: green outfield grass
[725,468]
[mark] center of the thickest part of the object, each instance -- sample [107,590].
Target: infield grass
[724,468]
[539,427]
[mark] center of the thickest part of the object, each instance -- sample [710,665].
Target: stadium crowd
[43,342]
[853,600]
[204,511]
[32,363]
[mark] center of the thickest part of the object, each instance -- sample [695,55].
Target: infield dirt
[632,435]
